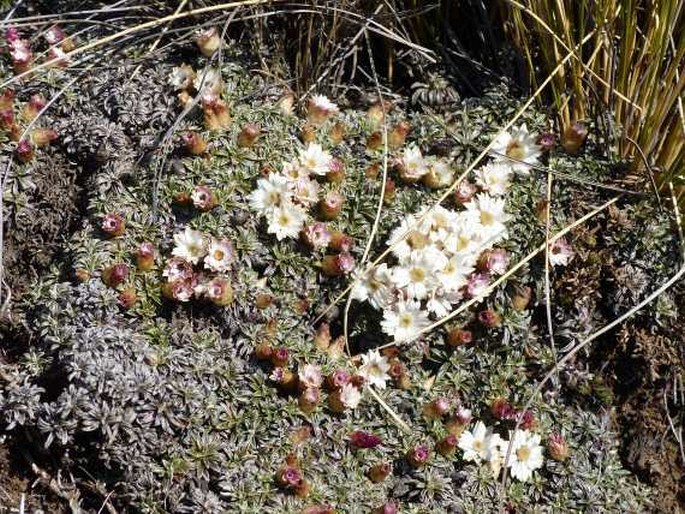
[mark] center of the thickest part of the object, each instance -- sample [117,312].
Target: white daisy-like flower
[491,216]
[401,247]
[375,369]
[315,159]
[286,221]
[417,276]
[350,396]
[519,145]
[271,193]
[480,443]
[440,303]
[191,245]
[560,253]
[467,233]
[306,192]
[181,77]
[413,166]
[323,103]
[374,287]
[211,81]
[220,256]
[404,321]
[439,173]
[525,455]
[494,178]
[294,170]
[309,375]
[454,275]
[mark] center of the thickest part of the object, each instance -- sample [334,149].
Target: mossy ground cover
[139,402]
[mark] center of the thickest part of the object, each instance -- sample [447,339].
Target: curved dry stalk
[548,292]
[572,353]
[455,184]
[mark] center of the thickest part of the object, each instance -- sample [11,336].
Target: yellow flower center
[523,453]
[515,150]
[417,274]
[218,255]
[486,218]
[406,320]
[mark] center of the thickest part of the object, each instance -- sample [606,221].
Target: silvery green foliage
[166,402]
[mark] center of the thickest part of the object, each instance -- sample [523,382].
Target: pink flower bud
[279,357]
[54,35]
[208,41]
[494,262]
[113,224]
[316,236]
[338,379]
[447,446]
[489,318]
[477,285]
[289,476]
[501,409]
[219,291]
[11,34]
[546,141]
[557,447]
[145,258]
[465,192]
[331,205]
[7,119]
[336,265]
[363,440]
[309,399]
[387,508]
[203,198]
[418,456]
[24,150]
[115,275]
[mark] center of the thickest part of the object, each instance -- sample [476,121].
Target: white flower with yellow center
[374,287]
[191,245]
[525,454]
[491,216]
[417,276]
[350,396]
[494,178]
[286,221]
[454,275]
[315,159]
[413,165]
[517,149]
[466,237]
[323,103]
[439,173]
[293,170]
[220,256]
[480,443]
[375,369]
[306,191]
[401,241]
[271,193]
[404,321]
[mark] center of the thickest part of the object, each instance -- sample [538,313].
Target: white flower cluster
[438,249]
[285,198]
[483,445]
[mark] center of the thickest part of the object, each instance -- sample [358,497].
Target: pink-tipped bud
[336,171]
[216,113]
[398,134]
[528,420]
[145,257]
[309,399]
[208,41]
[557,447]
[458,337]
[331,205]
[7,120]
[379,472]
[364,440]
[219,291]
[113,224]
[316,236]
[337,265]
[54,35]
[341,242]
[387,508]
[465,192]
[489,318]
[494,262]
[337,379]
[115,275]
[502,409]
[249,135]
[42,137]
[203,198]
[279,357]
[337,133]
[289,476]
[456,424]
[128,298]
[12,34]
[418,456]
[322,339]
[194,143]
[573,138]
[7,100]
[22,56]
[477,285]
[447,446]
[546,141]
[436,408]
[24,150]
